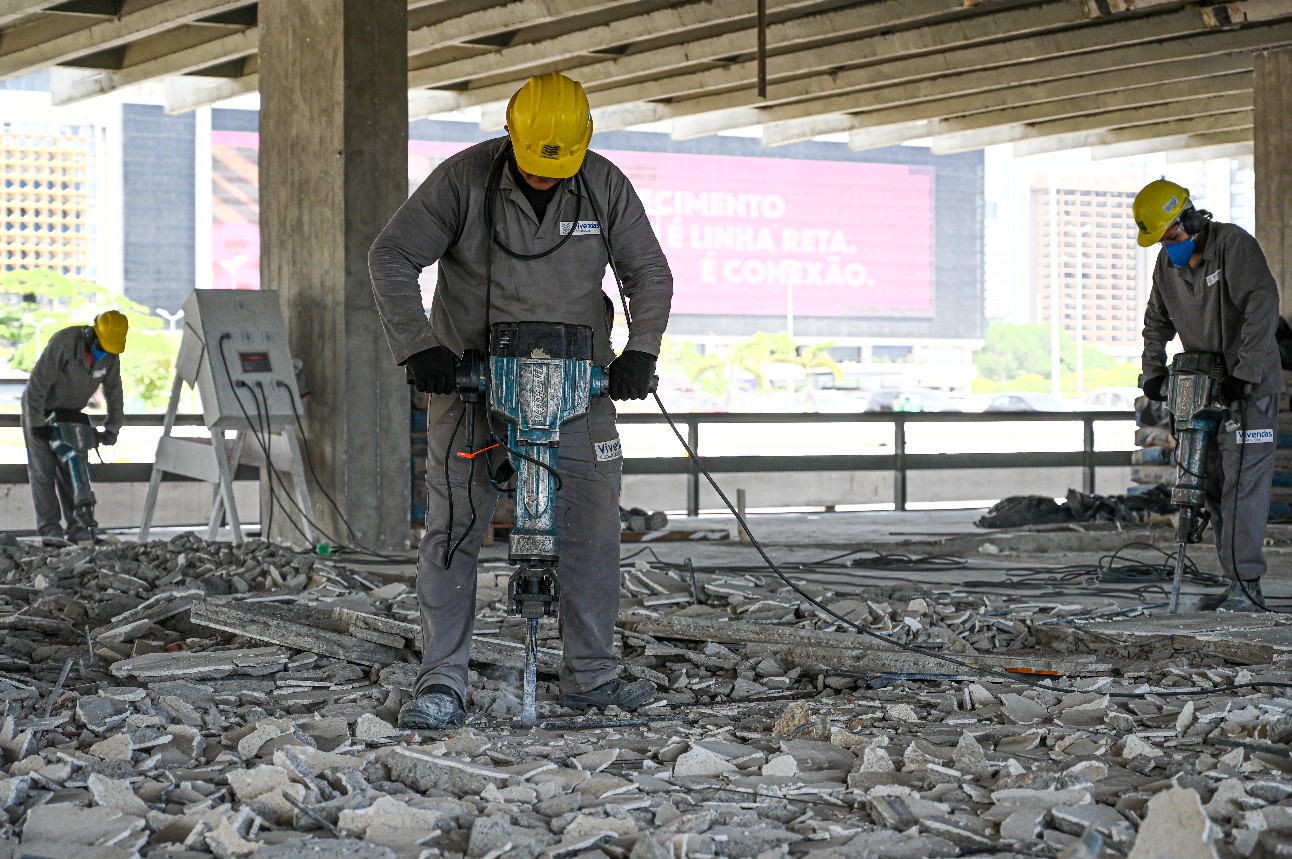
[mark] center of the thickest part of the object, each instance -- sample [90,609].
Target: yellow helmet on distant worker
[111,327]
[550,124]
[1157,206]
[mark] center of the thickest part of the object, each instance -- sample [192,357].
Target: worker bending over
[75,362]
[1212,287]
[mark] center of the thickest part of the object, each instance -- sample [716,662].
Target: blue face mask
[98,353]
[1181,252]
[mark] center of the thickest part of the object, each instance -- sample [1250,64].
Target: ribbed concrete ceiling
[1121,76]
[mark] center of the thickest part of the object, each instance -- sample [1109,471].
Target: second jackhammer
[72,438]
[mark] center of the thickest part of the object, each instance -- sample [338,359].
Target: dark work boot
[614,693]
[1240,596]
[437,708]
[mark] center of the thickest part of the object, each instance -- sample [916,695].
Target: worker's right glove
[433,370]
[1153,388]
[43,432]
[630,375]
[1233,388]
[106,437]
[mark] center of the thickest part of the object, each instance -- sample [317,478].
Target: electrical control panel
[234,351]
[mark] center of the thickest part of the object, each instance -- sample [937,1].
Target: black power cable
[309,462]
[234,386]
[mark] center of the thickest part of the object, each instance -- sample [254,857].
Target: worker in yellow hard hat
[1213,289]
[72,366]
[523,228]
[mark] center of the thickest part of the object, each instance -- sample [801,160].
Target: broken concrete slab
[253,661]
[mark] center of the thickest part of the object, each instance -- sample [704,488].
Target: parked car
[1110,399]
[1026,402]
[911,400]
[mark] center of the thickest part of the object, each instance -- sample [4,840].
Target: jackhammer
[72,439]
[540,375]
[1193,399]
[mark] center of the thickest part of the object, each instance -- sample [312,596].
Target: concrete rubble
[187,699]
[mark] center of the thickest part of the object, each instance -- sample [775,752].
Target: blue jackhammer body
[540,375]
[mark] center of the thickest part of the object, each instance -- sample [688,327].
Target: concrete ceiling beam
[16,10]
[1181,143]
[551,53]
[68,86]
[1166,133]
[183,94]
[889,135]
[499,19]
[1138,106]
[1076,56]
[799,25]
[1015,105]
[990,121]
[1237,151]
[45,43]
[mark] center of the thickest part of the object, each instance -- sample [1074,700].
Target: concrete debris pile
[186,699]
[637,519]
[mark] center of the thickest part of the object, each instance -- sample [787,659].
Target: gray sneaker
[614,693]
[1241,596]
[436,708]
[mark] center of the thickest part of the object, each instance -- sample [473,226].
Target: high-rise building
[47,197]
[1087,263]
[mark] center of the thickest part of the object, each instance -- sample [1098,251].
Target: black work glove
[631,375]
[433,370]
[1233,388]
[1153,388]
[43,432]
[106,436]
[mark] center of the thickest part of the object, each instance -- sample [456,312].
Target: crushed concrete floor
[181,698]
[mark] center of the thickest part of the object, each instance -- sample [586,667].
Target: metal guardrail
[900,462]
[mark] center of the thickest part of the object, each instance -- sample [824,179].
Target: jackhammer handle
[605,387]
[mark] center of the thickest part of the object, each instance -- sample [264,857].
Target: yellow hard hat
[111,327]
[1157,206]
[550,125]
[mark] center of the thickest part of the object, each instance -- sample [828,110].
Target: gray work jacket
[63,379]
[1228,303]
[444,221]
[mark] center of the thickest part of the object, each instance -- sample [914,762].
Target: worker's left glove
[43,432]
[1152,388]
[433,370]
[631,375]
[106,436]
[1233,388]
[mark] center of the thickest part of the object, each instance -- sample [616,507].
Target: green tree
[708,372]
[812,358]
[35,303]
[756,355]
[1014,350]
[1017,358]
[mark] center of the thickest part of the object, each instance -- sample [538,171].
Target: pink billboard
[743,235]
[235,210]
[760,236]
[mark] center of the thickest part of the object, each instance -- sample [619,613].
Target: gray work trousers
[51,486]
[587,571]
[1240,466]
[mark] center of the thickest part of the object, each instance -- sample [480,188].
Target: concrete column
[333,169]
[1273,165]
